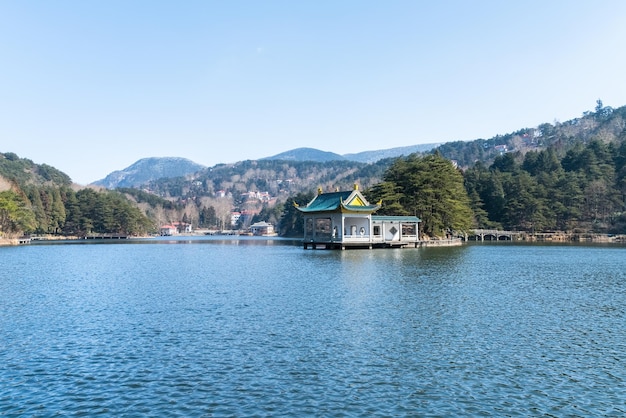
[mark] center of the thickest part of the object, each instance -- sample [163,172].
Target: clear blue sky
[92,86]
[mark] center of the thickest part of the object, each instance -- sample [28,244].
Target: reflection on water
[262,327]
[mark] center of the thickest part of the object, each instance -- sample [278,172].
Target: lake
[261,327]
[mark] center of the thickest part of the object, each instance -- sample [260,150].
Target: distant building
[262,196]
[175,228]
[183,227]
[234,218]
[262,229]
[167,230]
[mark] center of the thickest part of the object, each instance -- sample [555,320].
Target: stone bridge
[494,235]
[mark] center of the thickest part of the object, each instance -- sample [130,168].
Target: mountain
[306,154]
[23,172]
[148,169]
[312,154]
[373,156]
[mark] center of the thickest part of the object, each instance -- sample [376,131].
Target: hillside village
[246,200]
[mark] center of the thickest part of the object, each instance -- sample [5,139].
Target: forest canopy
[39,200]
[429,187]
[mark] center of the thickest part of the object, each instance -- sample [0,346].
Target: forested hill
[21,171]
[275,177]
[582,191]
[306,154]
[604,123]
[299,171]
[38,198]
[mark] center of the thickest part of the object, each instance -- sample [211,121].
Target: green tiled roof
[335,201]
[326,202]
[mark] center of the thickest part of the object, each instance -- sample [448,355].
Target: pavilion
[346,219]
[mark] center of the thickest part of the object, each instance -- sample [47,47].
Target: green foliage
[60,210]
[568,176]
[429,187]
[15,215]
[292,222]
[391,194]
[270,214]
[50,173]
[23,172]
[583,191]
[208,218]
[109,212]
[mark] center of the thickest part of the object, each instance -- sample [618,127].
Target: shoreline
[518,237]
[10,242]
[566,237]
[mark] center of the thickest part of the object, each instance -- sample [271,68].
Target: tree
[15,214]
[523,210]
[73,213]
[391,194]
[429,187]
[505,163]
[39,213]
[57,212]
[270,214]
[484,194]
[207,217]
[291,223]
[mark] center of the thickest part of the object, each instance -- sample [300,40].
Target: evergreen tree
[41,219]
[523,210]
[391,194]
[16,217]
[291,223]
[208,217]
[57,211]
[431,188]
[73,213]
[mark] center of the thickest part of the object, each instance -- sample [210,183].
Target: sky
[90,87]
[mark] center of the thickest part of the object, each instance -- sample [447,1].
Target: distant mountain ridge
[377,155]
[306,154]
[312,154]
[148,169]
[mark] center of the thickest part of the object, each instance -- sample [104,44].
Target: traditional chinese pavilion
[346,219]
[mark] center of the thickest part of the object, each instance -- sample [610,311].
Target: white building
[262,229]
[345,219]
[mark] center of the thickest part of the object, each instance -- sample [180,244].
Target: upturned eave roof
[339,202]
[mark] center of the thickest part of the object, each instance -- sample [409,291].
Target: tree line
[62,211]
[585,190]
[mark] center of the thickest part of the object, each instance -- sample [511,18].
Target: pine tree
[429,187]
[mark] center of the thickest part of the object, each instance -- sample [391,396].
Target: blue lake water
[256,327]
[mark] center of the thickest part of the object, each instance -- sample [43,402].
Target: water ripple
[252,330]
